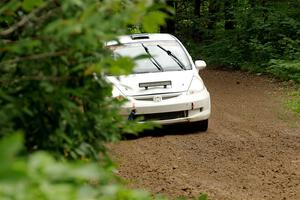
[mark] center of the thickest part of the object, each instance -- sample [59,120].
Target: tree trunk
[169,27]
[213,9]
[228,15]
[197,7]
[253,3]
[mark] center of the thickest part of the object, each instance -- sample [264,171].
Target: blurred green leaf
[41,176]
[29,5]
[10,146]
[153,20]
[122,65]
[9,8]
[203,197]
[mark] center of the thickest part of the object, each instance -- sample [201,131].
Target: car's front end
[188,102]
[163,90]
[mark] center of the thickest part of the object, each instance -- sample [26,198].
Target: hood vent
[139,36]
[155,84]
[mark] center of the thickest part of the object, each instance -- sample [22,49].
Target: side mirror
[200,64]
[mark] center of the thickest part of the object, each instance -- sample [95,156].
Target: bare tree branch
[34,57]
[22,22]
[38,78]
[50,13]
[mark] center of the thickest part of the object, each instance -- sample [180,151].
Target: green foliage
[40,176]
[203,197]
[153,19]
[286,70]
[28,5]
[224,52]
[49,51]
[294,102]
[260,32]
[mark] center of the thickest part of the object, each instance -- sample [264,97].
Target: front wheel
[202,125]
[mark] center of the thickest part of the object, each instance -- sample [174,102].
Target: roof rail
[139,36]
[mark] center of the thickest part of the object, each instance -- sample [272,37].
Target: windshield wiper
[152,59]
[180,64]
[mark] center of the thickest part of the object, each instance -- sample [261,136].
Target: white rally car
[165,85]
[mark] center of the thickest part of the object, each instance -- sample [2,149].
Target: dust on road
[250,151]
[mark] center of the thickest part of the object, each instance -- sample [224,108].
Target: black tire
[203,125]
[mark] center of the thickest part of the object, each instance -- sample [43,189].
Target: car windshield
[154,53]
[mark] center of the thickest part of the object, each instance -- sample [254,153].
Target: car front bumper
[179,109]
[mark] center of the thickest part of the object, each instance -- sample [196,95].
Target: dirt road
[251,150]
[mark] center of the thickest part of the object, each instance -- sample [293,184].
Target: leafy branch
[34,57]
[23,21]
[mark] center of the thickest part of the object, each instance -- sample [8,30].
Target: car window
[145,65]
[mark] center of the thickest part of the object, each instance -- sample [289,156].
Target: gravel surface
[250,151]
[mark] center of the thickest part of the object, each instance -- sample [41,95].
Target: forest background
[56,116]
[258,36]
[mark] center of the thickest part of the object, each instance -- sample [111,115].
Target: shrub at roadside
[40,176]
[48,53]
[285,69]
[294,102]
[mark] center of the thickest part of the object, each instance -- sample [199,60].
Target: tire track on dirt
[251,150]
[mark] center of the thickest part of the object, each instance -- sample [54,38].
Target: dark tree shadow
[176,129]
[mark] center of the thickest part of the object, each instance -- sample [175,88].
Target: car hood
[153,83]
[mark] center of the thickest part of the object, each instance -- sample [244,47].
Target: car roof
[142,37]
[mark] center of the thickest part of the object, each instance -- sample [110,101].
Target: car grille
[150,97]
[162,116]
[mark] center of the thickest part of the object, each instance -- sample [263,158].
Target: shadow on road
[176,129]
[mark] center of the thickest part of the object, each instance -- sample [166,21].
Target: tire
[202,125]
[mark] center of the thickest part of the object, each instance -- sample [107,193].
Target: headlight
[196,86]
